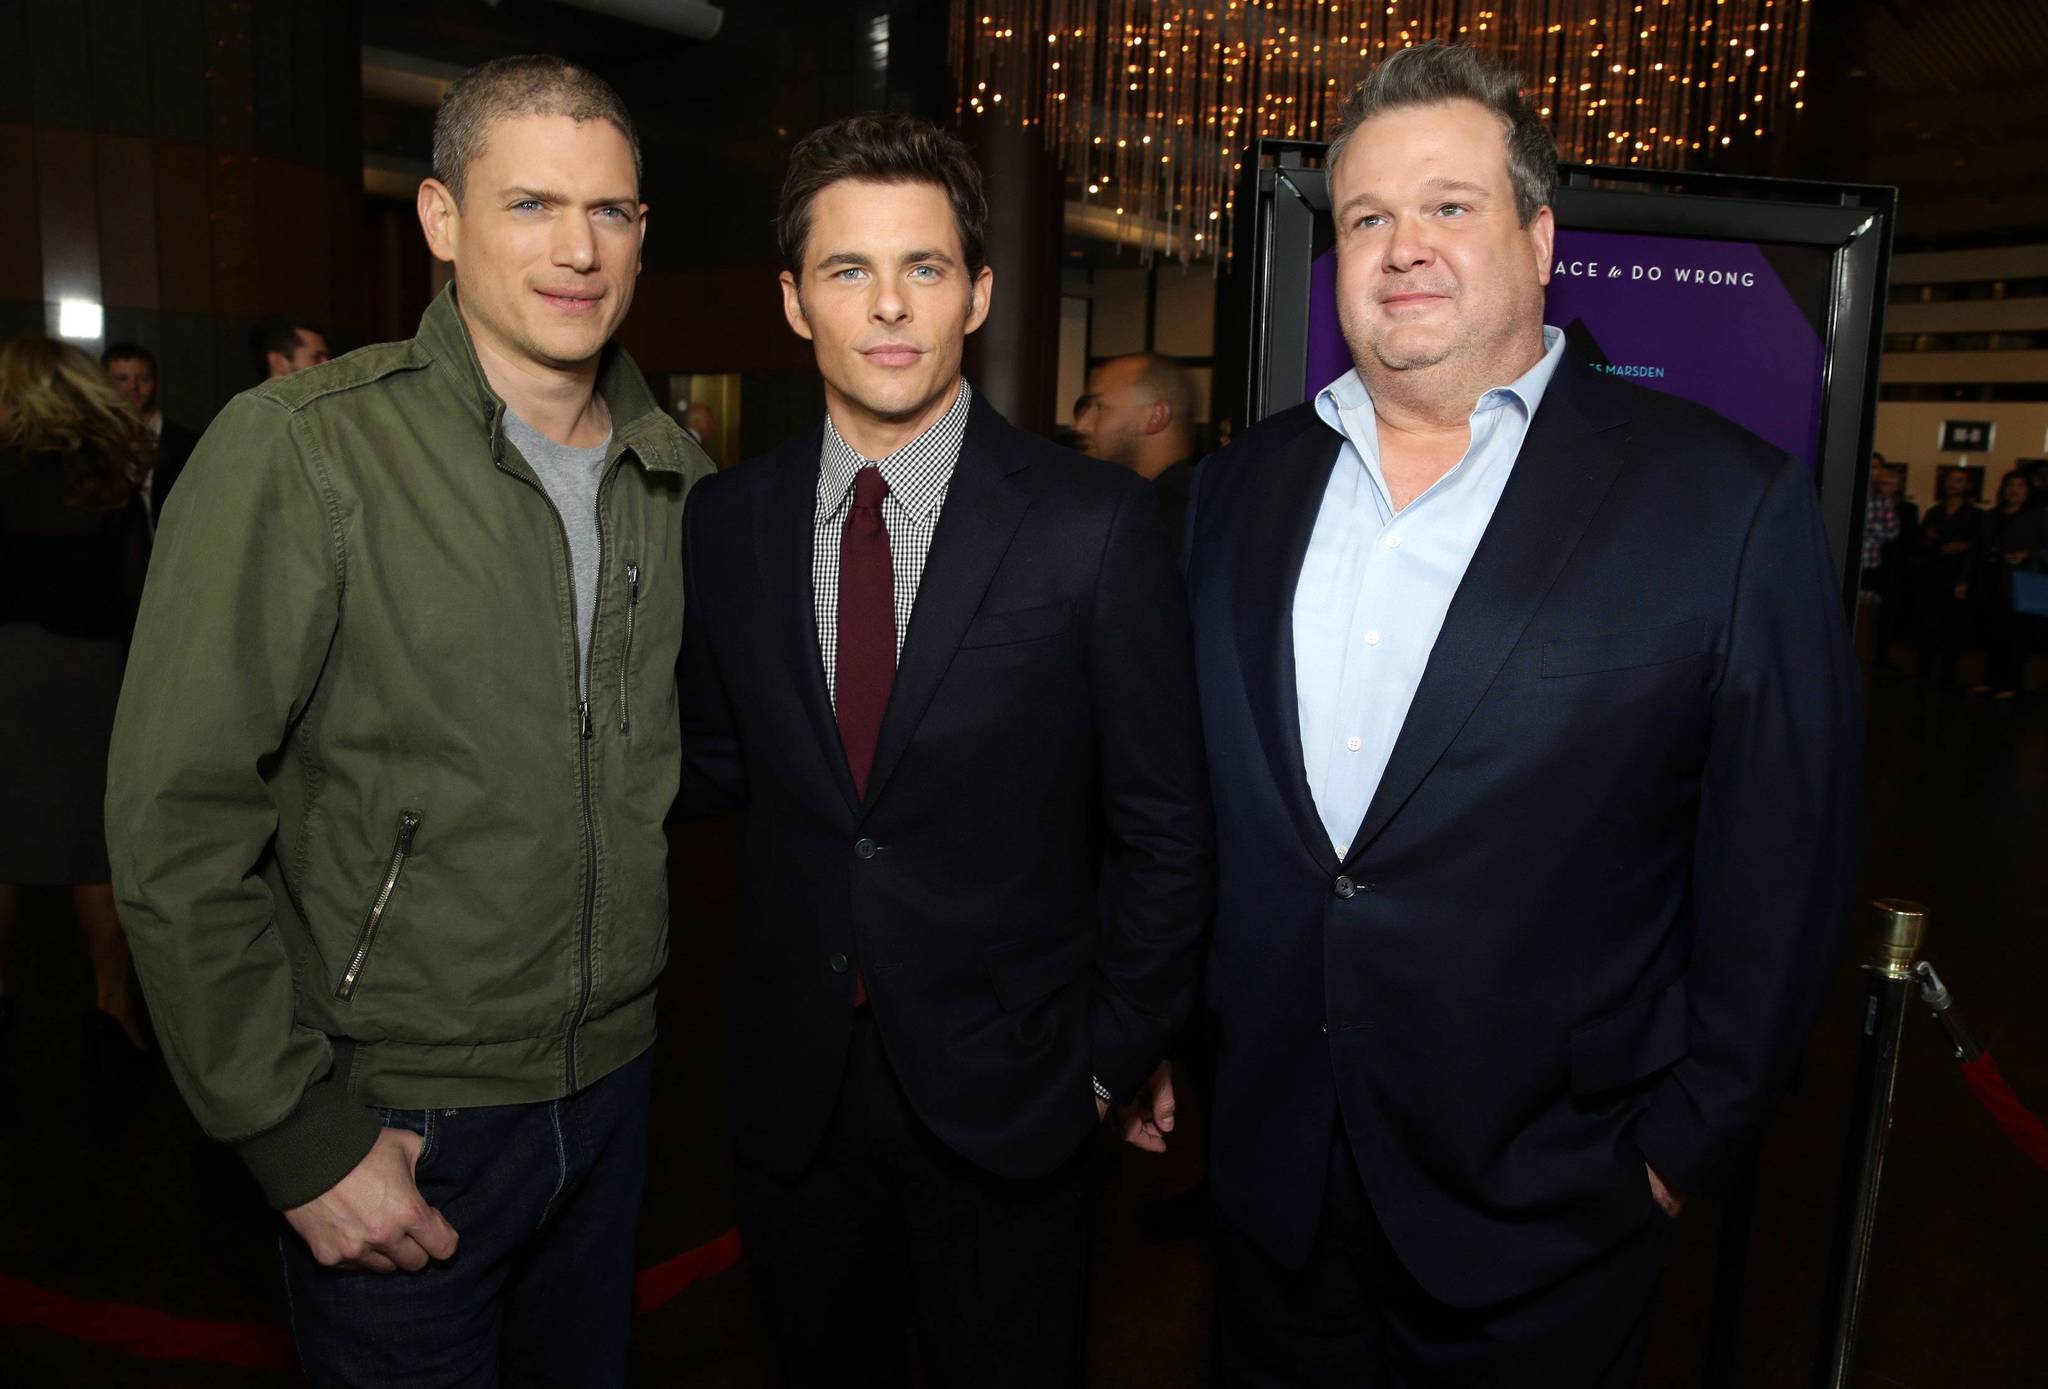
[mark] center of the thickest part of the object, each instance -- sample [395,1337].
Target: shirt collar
[917,473]
[1349,395]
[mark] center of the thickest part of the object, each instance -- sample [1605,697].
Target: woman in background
[1949,536]
[2005,547]
[73,547]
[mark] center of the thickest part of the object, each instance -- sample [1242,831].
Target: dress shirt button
[864,848]
[1345,888]
[1372,637]
[838,962]
[1393,542]
[1353,744]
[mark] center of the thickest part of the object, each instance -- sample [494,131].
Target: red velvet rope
[150,1334]
[2019,1123]
[145,1332]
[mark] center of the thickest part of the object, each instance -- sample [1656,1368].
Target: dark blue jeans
[546,1198]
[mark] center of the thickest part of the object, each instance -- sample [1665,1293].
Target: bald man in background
[1139,413]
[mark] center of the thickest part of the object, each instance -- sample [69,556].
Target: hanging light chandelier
[1152,105]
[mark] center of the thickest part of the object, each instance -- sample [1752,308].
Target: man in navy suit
[946,666]
[1532,723]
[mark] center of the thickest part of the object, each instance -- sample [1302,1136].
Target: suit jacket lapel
[1561,474]
[982,511]
[1288,496]
[783,538]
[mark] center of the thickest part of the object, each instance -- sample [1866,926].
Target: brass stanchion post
[1901,928]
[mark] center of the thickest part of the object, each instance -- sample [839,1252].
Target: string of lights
[1151,104]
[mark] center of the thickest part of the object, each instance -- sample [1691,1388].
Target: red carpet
[150,1334]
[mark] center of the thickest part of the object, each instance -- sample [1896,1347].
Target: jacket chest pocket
[1017,626]
[380,904]
[1639,649]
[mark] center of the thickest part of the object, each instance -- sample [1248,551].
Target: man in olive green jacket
[391,765]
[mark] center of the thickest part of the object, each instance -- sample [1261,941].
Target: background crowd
[1966,575]
[87,461]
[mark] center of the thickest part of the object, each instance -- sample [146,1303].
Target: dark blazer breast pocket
[1017,625]
[1630,650]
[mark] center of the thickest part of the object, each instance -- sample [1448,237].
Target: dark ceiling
[716,117]
[1943,98]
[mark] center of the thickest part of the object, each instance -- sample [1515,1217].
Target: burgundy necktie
[865,665]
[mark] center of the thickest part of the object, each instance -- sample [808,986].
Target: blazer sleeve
[1160,855]
[714,774]
[1775,849]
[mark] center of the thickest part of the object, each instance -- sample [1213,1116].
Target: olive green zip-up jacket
[370,843]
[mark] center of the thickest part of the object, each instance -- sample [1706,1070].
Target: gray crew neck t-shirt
[570,477]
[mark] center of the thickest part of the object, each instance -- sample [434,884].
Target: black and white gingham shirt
[918,475]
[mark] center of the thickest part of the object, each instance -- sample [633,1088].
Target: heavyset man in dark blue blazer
[947,667]
[1532,725]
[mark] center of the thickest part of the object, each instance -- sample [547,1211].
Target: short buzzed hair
[532,84]
[1430,74]
[1162,378]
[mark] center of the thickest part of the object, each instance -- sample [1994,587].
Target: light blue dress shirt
[1376,583]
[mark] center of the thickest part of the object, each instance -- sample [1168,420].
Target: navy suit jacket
[1590,911]
[1042,719]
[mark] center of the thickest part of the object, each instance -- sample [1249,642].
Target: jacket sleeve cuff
[317,1145]
[1694,1157]
[1119,1066]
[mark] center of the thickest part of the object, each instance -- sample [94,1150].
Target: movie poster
[1734,325]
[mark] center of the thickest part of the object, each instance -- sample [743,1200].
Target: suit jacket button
[1345,888]
[1325,1026]
[864,848]
[838,963]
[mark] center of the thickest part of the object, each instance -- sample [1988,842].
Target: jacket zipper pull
[626,651]
[584,707]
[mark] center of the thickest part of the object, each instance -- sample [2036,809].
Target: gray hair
[531,84]
[1430,74]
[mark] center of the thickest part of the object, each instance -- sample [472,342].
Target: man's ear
[1158,417]
[978,298]
[1543,240]
[439,216]
[277,364]
[793,307]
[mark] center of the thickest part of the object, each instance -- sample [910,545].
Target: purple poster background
[1712,321]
